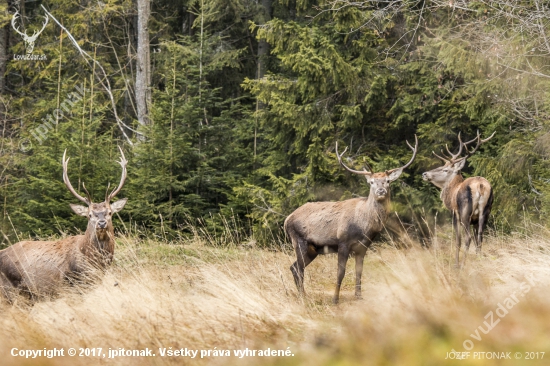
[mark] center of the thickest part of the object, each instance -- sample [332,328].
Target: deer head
[453,165]
[29,40]
[99,214]
[380,182]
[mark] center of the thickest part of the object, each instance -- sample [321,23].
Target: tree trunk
[4,46]
[143,63]
[3,56]
[263,46]
[263,53]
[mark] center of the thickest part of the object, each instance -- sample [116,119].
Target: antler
[122,163]
[15,16]
[463,145]
[107,191]
[364,172]
[441,158]
[455,156]
[37,33]
[414,149]
[479,142]
[87,200]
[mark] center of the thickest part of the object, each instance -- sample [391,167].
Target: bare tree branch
[103,81]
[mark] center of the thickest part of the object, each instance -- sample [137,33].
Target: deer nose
[102,224]
[381,192]
[425,176]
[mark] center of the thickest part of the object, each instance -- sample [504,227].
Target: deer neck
[378,208]
[99,247]
[448,191]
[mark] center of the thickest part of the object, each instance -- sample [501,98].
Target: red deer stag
[469,200]
[38,267]
[343,227]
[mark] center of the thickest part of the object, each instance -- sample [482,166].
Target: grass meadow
[196,294]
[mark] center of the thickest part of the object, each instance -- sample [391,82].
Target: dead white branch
[103,81]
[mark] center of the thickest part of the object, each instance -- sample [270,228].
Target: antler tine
[479,142]
[46,23]
[368,167]
[460,147]
[15,16]
[37,32]
[488,138]
[445,156]
[442,159]
[472,140]
[87,201]
[340,155]
[107,191]
[414,149]
[448,151]
[87,193]
[454,157]
[122,163]
[364,172]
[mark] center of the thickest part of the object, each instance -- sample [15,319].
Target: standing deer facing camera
[469,200]
[39,267]
[343,227]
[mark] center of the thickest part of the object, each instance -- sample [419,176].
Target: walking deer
[38,267]
[469,200]
[343,227]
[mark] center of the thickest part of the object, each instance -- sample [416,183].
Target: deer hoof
[335,301]
[358,297]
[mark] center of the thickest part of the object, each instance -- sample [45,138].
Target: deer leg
[476,237]
[303,258]
[480,228]
[463,216]
[468,239]
[359,257]
[343,255]
[457,233]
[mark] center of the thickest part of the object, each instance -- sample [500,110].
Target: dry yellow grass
[416,307]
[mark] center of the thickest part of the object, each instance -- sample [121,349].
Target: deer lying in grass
[344,227]
[469,200]
[38,267]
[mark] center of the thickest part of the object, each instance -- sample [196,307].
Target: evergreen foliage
[223,143]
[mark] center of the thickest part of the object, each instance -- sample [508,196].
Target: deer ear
[118,205]
[395,174]
[79,210]
[459,165]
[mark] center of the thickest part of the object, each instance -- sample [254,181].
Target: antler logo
[29,40]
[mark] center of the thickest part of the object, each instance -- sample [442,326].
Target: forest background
[229,110]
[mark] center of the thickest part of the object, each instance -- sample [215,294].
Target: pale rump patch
[469,200]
